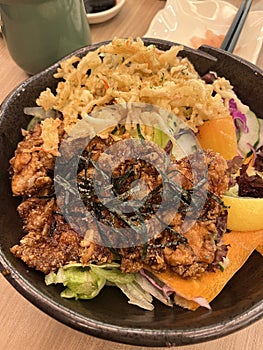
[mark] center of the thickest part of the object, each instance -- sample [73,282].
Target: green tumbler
[40,32]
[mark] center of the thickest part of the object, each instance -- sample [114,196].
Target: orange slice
[220,136]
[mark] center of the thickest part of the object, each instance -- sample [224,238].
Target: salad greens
[86,282]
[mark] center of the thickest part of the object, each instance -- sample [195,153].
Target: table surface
[22,325]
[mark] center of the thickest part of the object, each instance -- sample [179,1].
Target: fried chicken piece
[37,215]
[193,169]
[31,167]
[50,242]
[48,253]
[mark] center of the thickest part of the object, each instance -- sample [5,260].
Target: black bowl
[109,316]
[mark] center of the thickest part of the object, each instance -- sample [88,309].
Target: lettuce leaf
[86,282]
[137,295]
[81,282]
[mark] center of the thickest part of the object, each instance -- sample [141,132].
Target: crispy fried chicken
[51,242]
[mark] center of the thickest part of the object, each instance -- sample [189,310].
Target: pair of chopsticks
[234,31]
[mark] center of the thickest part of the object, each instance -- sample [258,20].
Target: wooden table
[22,325]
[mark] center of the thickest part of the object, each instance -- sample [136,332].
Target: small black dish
[94,6]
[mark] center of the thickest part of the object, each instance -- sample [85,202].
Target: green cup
[40,32]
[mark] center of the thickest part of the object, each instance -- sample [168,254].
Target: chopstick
[234,31]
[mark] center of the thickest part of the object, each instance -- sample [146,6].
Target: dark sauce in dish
[94,6]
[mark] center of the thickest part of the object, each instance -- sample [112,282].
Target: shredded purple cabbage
[240,119]
[161,286]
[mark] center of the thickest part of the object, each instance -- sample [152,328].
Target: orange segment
[220,136]
[244,213]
